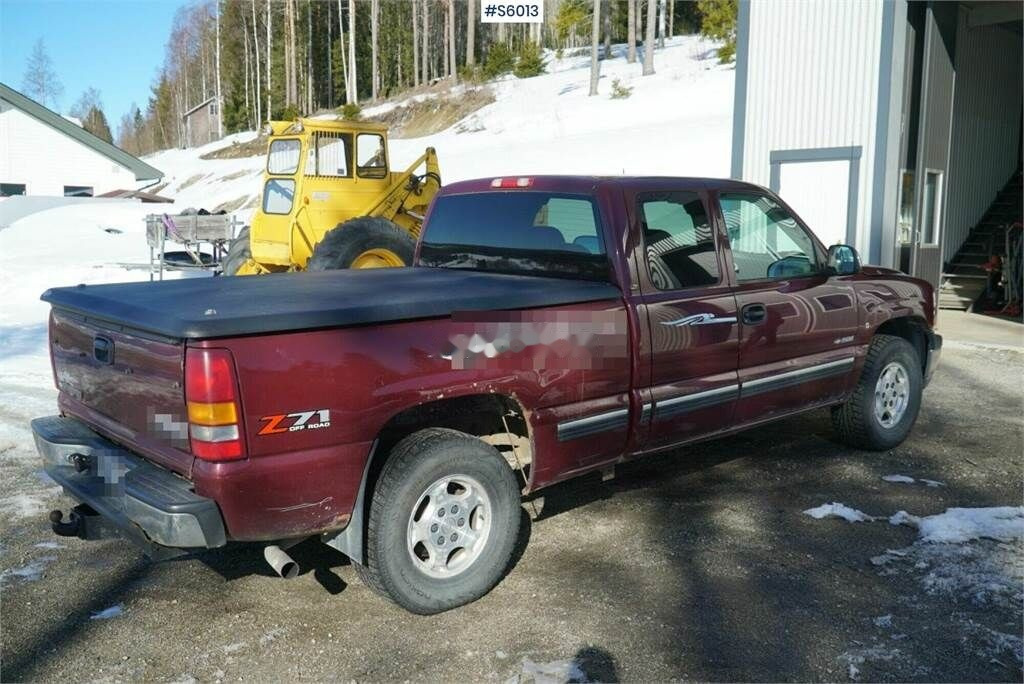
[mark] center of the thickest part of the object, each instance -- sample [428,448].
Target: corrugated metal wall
[986,125]
[812,82]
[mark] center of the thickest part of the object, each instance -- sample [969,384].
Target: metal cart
[191,231]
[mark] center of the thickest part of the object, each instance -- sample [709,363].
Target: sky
[115,46]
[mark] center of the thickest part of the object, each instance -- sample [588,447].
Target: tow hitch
[82,522]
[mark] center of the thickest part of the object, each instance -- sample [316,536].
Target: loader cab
[318,174]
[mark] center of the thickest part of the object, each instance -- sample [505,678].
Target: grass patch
[232,205]
[434,114]
[253,148]
[192,181]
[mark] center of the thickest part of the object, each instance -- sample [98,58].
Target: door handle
[754,314]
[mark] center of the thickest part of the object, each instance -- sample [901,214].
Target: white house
[891,125]
[44,154]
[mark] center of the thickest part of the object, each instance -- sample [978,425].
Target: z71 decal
[294,422]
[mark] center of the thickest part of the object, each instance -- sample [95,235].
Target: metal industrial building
[891,125]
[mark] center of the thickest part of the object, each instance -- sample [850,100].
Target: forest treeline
[278,59]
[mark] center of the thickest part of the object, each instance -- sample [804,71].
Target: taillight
[213,412]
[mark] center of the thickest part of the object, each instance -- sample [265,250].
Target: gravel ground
[696,565]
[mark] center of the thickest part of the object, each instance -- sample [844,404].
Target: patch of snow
[899,478]
[903,518]
[107,613]
[884,621]
[29,572]
[49,545]
[933,483]
[856,658]
[555,672]
[838,510]
[233,648]
[958,525]
[27,504]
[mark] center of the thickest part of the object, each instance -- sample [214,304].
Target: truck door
[797,322]
[691,314]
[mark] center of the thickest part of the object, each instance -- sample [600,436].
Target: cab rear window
[518,231]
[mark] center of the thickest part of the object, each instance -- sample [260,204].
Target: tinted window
[11,189]
[766,240]
[520,231]
[77,191]
[678,241]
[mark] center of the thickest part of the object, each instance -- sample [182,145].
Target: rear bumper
[135,498]
[934,352]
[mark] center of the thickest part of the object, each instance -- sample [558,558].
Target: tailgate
[126,384]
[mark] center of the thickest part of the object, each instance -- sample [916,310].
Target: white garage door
[819,192]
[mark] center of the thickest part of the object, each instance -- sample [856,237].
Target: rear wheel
[886,401]
[239,253]
[363,242]
[443,522]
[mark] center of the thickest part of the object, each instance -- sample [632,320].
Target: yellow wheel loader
[330,200]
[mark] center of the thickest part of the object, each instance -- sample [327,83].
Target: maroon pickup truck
[551,326]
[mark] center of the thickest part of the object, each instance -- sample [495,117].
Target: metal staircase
[964,279]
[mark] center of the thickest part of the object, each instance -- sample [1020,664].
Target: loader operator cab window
[371,161]
[329,155]
[283,159]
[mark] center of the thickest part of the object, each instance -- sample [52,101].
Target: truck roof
[588,184]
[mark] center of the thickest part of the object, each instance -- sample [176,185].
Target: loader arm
[409,193]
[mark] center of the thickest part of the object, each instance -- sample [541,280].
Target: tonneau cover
[201,308]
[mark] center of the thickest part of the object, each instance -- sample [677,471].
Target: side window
[766,240]
[328,155]
[371,162]
[283,157]
[679,243]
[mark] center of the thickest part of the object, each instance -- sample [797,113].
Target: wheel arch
[913,329]
[480,415]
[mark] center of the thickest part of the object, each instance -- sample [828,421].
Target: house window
[77,191]
[11,189]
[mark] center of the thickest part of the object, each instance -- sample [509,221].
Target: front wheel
[887,399]
[443,523]
[363,242]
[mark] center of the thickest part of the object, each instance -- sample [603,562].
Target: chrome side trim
[601,422]
[697,400]
[795,377]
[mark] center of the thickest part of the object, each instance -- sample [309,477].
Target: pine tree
[595,34]
[718,22]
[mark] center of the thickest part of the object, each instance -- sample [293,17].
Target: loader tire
[239,252]
[363,242]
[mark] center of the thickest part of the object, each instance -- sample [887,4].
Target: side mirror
[843,260]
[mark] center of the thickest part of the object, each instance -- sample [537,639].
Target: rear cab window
[526,232]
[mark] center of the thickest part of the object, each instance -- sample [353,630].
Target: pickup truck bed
[204,308]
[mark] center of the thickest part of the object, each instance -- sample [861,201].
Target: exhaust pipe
[283,564]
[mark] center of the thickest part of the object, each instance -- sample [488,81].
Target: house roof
[141,169]
[199,106]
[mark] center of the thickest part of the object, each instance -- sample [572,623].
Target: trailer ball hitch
[71,528]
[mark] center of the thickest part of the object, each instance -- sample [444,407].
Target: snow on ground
[838,510]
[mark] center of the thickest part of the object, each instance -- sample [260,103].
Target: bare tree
[453,70]
[608,31]
[671,18]
[661,23]
[374,33]
[649,38]
[425,41]
[631,30]
[353,89]
[310,105]
[416,42]
[595,36]
[220,102]
[41,82]
[343,51]
[256,70]
[269,89]
[470,33]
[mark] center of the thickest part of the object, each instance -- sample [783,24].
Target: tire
[239,252]
[881,422]
[347,244]
[421,460]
